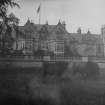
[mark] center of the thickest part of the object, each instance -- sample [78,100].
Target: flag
[38,10]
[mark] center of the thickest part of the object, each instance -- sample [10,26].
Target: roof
[31,30]
[54,31]
[85,38]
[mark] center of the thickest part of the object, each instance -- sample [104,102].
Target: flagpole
[40,14]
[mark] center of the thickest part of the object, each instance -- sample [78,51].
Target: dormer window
[46,22]
[59,23]
[28,22]
[79,30]
[88,32]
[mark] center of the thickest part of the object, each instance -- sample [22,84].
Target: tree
[4,7]
[13,19]
[13,22]
[5,19]
[12,28]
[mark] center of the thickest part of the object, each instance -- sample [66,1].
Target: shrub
[54,68]
[90,69]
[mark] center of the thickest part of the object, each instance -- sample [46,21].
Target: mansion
[34,39]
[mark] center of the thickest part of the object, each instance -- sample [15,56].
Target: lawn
[31,87]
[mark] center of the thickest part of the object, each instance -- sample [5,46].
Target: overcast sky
[87,14]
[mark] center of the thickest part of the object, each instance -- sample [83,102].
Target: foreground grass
[31,87]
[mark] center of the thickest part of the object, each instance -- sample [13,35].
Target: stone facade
[47,38]
[54,39]
[86,44]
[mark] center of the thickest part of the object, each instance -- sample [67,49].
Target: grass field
[30,87]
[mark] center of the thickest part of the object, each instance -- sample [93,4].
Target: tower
[103,36]
[103,33]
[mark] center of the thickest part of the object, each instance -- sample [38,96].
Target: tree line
[8,23]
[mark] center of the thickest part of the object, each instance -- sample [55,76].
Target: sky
[87,14]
